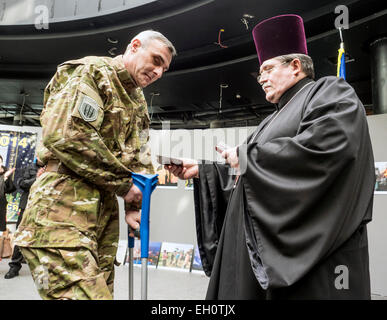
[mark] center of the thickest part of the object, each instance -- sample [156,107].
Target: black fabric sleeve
[27,179]
[9,186]
[211,194]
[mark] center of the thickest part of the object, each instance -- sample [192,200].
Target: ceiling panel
[28,57]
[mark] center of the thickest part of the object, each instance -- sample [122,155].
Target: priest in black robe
[291,223]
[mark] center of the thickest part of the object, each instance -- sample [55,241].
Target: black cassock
[294,225]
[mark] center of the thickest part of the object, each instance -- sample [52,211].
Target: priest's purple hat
[279,35]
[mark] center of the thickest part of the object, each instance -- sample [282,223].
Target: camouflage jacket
[95,121]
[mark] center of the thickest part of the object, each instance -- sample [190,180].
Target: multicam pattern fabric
[50,272]
[101,144]
[105,150]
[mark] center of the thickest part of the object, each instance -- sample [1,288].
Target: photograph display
[381,177]
[176,256]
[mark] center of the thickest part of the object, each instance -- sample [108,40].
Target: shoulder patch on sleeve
[89,106]
[88,109]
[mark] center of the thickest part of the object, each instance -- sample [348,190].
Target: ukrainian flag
[341,63]
[341,60]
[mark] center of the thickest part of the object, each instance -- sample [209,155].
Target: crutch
[146,183]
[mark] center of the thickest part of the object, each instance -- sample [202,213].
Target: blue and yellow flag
[341,59]
[341,63]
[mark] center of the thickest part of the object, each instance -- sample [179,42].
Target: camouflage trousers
[69,238]
[68,274]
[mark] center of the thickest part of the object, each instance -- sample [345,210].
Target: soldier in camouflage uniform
[95,129]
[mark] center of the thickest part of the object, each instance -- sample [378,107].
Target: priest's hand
[187,170]
[133,219]
[231,156]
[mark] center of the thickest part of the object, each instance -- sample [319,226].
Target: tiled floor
[162,285]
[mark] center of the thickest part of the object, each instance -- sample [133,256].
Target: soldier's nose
[158,71]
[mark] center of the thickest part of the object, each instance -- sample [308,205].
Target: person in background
[29,175]
[6,186]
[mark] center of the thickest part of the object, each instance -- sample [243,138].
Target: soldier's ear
[134,45]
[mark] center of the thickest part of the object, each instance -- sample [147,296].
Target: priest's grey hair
[306,62]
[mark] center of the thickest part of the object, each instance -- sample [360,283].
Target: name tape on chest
[88,109]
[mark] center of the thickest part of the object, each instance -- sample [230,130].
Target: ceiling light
[112,51]
[248,16]
[111,40]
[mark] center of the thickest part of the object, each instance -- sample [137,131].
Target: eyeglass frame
[260,74]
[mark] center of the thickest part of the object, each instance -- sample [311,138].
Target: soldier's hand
[133,219]
[134,195]
[188,170]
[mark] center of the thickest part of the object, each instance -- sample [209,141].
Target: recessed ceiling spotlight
[248,16]
[111,40]
[245,21]
[112,51]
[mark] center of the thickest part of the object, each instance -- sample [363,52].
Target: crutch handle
[146,183]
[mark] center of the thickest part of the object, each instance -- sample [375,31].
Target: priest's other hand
[231,156]
[188,170]
[133,219]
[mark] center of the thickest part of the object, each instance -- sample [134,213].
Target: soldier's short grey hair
[148,35]
[306,62]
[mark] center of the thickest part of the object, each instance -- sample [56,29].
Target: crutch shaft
[131,274]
